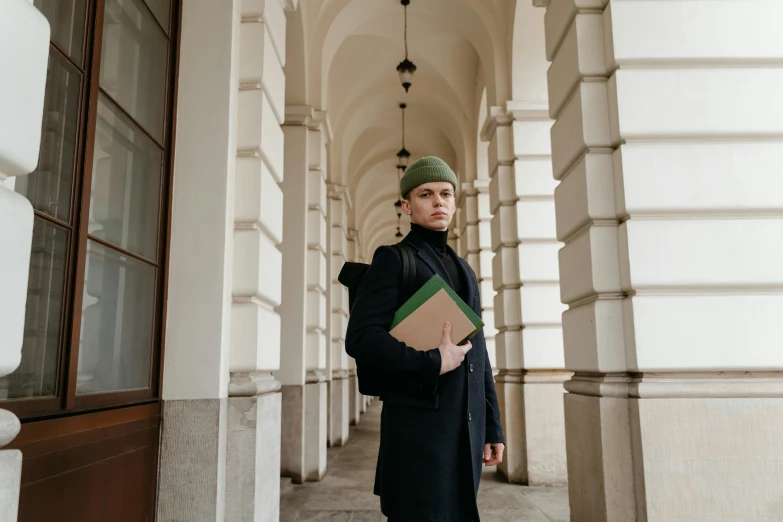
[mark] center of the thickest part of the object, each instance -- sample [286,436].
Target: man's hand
[493,453]
[451,355]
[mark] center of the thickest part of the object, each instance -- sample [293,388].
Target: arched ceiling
[348,61]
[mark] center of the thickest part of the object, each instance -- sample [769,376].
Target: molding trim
[678,385]
[528,111]
[298,115]
[507,376]
[599,385]
[309,117]
[315,376]
[497,117]
[337,191]
[338,375]
[321,119]
[252,384]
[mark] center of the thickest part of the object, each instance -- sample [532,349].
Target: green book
[419,321]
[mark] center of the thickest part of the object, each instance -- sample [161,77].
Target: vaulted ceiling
[342,56]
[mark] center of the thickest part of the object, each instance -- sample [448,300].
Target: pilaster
[340,391]
[527,306]
[474,232]
[664,149]
[304,311]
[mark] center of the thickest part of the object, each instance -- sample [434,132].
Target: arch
[528,55]
[295,69]
[482,147]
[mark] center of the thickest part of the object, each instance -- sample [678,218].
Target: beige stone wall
[663,148]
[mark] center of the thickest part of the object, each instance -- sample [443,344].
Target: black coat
[433,427]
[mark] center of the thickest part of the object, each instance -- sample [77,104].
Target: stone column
[293,306]
[475,246]
[24,50]
[194,438]
[340,387]
[667,146]
[220,443]
[356,399]
[303,311]
[317,389]
[527,305]
[356,251]
[254,404]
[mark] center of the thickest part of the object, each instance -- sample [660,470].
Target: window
[93,327]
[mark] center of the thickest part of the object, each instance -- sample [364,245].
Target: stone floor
[345,493]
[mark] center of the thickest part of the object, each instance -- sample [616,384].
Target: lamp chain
[403,128]
[406,31]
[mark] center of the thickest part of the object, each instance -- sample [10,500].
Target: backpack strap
[408,268]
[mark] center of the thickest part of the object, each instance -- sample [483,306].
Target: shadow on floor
[345,493]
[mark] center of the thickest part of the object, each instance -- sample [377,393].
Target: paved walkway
[345,494]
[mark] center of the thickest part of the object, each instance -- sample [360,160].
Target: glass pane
[66,17]
[115,348]
[49,186]
[134,58]
[126,174]
[161,9]
[37,373]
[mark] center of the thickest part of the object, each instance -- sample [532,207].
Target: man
[440,417]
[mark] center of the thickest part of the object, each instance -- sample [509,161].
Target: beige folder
[423,328]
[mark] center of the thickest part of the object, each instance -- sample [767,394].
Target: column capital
[528,111]
[472,189]
[498,117]
[310,117]
[289,5]
[324,124]
[298,115]
[337,191]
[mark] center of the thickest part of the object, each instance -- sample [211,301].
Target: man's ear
[406,207]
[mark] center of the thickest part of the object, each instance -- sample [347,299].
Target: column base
[192,473]
[315,428]
[10,484]
[534,425]
[220,458]
[339,420]
[293,436]
[354,398]
[10,468]
[253,454]
[656,449]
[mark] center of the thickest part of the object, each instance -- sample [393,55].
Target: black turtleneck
[438,239]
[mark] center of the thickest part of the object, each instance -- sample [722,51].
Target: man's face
[431,205]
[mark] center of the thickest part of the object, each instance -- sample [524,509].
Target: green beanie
[426,170]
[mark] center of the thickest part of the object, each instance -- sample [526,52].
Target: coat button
[471,367]
[469,417]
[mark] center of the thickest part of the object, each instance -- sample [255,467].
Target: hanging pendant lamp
[403,156]
[406,68]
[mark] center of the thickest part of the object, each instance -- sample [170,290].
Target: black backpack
[351,276]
